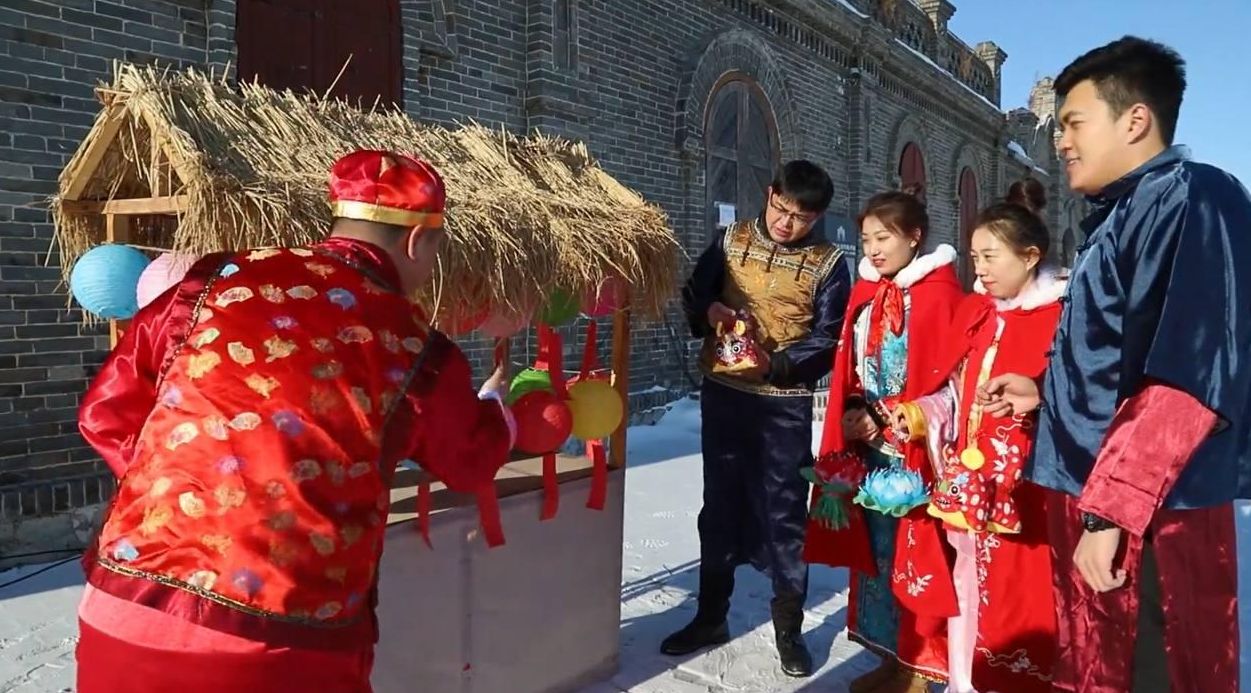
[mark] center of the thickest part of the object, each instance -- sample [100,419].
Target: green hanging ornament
[562,307]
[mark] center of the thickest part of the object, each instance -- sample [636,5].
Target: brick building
[691,102]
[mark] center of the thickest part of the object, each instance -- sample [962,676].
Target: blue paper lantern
[105,278]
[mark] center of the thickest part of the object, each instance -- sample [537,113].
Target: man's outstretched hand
[1008,395]
[721,314]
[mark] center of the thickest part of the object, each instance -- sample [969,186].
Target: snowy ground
[38,631]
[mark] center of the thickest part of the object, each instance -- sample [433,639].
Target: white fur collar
[916,270]
[1046,289]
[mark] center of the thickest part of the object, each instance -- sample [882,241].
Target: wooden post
[116,230]
[621,383]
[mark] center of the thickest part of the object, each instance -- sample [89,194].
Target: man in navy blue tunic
[1143,431]
[757,422]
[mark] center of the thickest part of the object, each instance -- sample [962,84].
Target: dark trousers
[755,501]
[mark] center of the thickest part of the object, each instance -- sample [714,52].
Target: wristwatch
[1094,523]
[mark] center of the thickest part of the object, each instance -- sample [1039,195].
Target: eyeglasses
[801,219]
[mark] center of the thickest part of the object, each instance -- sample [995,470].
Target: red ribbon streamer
[489,512]
[599,475]
[551,490]
[423,512]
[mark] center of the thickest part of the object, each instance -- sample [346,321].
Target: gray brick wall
[52,55]
[843,90]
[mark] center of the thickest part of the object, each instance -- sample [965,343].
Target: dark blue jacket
[1161,290]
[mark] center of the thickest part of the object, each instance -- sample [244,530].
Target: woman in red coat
[903,300]
[1003,639]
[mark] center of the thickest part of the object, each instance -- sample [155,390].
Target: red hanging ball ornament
[544,422]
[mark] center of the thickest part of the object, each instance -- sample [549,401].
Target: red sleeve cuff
[1151,439]
[1120,503]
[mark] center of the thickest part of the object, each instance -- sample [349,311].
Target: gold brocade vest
[777,285]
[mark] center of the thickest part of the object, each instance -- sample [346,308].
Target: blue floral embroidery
[342,298]
[289,423]
[172,396]
[229,465]
[877,611]
[124,551]
[246,581]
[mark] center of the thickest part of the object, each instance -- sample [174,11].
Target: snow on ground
[38,628]
[660,568]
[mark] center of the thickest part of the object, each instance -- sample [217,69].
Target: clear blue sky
[1213,36]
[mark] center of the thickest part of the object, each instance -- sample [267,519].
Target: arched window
[968,216]
[912,167]
[1068,248]
[741,140]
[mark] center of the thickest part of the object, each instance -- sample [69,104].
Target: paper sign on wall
[726,214]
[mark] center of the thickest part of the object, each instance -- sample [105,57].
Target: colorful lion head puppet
[736,348]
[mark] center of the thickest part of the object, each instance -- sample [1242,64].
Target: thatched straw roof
[247,166]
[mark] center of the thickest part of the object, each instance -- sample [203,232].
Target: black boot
[694,637]
[793,651]
[788,621]
[709,627]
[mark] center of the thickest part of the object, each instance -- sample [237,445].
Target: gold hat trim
[367,211]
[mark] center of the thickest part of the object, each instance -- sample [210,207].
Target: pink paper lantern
[162,273]
[504,322]
[605,300]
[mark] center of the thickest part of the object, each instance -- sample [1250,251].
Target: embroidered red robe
[1005,636]
[256,414]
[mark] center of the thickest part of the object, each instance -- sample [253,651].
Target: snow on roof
[1018,153]
[950,76]
[851,8]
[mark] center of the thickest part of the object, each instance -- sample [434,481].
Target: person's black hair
[805,183]
[902,211]
[1017,221]
[1132,70]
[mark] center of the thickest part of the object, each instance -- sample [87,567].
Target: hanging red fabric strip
[599,475]
[594,448]
[489,515]
[551,359]
[423,512]
[588,352]
[500,354]
[551,489]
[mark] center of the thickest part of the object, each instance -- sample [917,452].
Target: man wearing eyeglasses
[767,297]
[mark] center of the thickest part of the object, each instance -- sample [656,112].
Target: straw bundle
[527,215]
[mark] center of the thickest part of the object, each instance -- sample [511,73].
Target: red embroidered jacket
[256,414]
[985,499]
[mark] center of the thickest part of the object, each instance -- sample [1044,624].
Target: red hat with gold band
[387,188]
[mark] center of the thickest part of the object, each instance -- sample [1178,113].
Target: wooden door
[968,216]
[303,44]
[912,167]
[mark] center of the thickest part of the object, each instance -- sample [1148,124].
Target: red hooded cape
[934,298]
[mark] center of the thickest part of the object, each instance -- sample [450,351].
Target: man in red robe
[255,414]
[1144,428]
